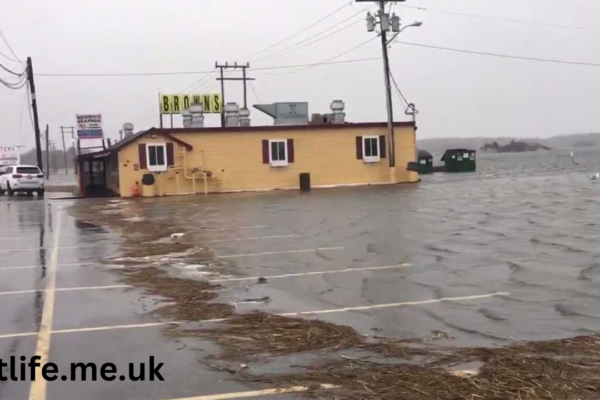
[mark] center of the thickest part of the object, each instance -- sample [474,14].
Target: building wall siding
[236,162]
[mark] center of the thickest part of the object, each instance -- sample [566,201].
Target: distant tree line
[514,147]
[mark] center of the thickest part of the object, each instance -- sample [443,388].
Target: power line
[11,71]
[120,74]
[254,92]
[292,48]
[327,61]
[296,47]
[7,57]
[71,75]
[301,31]
[512,20]
[500,55]
[9,47]
[400,94]
[15,85]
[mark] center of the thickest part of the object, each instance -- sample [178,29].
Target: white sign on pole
[9,155]
[89,126]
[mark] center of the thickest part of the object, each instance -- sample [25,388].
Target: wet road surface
[485,260]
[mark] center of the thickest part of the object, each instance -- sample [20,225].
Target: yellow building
[218,160]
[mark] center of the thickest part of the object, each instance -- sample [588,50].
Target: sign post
[89,126]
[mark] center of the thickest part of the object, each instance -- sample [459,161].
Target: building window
[278,153]
[371,149]
[157,157]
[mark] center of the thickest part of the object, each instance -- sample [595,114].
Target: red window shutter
[265,151]
[359,148]
[382,152]
[290,150]
[170,154]
[142,150]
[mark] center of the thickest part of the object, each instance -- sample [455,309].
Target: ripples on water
[526,223]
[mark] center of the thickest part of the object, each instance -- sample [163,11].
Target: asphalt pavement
[400,261]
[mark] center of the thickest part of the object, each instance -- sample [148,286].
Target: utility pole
[47,152]
[244,79]
[62,132]
[386,22]
[388,85]
[54,163]
[36,121]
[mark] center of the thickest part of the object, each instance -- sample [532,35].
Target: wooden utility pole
[47,152]
[385,22]
[388,87]
[244,79]
[62,132]
[36,121]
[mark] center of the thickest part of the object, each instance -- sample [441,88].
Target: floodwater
[507,253]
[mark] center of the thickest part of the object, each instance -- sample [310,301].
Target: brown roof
[119,145]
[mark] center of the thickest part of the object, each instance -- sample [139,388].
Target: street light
[415,24]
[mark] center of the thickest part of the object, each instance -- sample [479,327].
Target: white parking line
[245,239]
[37,266]
[69,289]
[390,305]
[45,248]
[235,228]
[256,393]
[291,314]
[131,247]
[270,253]
[330,272]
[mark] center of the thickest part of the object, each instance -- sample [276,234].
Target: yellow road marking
[38,386]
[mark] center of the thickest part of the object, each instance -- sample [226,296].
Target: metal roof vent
[339,117]
[232,118]
[244,117]
[291,113]
[196,116]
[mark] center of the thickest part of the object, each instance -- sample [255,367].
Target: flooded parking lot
[456,261]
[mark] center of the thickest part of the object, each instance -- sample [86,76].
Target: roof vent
[244,117]
[196,116]
[232,118]
[339,117]
[291,113]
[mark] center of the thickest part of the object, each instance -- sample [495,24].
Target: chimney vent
[339,117]
[232,118]
[196,116]
[244,117]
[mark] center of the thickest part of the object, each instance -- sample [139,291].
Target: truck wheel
[9,189]
[30,193]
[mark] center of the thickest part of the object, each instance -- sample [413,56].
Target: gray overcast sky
[457,94]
